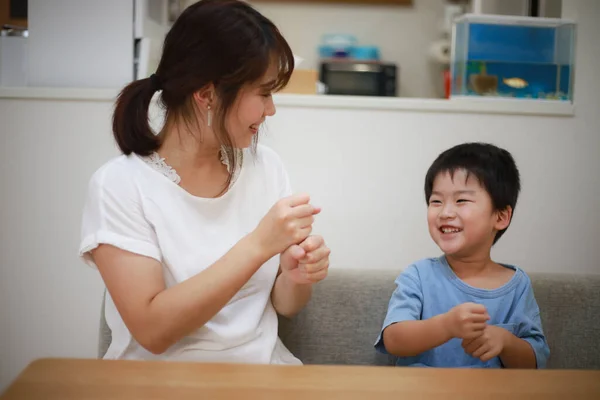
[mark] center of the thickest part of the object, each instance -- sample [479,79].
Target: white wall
[49,301]
[403,34]
[365,168]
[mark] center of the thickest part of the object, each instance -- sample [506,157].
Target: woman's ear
[205,96]
[503,218]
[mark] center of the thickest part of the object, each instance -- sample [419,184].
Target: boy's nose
[447,212]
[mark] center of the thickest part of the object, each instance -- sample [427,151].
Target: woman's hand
[287,223]
[301,265]
[307,262]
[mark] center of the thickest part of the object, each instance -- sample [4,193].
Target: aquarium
[512,57]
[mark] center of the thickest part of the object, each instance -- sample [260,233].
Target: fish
[516,83]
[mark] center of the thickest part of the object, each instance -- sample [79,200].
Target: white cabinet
[540,8]
[151,24]
[80,43]
[151,18]
[94,44]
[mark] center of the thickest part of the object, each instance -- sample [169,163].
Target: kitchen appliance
[356,78]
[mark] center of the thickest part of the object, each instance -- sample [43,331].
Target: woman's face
[253,105]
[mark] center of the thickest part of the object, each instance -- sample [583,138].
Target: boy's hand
[487,346]
[466,321]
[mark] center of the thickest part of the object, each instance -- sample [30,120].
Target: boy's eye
[266,94]
[462,201]
[435,202]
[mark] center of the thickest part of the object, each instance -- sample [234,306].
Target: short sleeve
[113,214]
[405,304]
[530,326]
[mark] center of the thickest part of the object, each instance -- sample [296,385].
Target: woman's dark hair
[224,42]
[494,168]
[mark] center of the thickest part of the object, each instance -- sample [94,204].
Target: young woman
[195,230]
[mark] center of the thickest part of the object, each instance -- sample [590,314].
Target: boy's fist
[466,321]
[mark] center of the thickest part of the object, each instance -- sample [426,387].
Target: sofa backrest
[570,310]
[343,319]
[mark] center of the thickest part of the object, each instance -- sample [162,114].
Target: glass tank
[512,57]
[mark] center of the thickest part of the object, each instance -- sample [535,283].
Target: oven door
[359,79]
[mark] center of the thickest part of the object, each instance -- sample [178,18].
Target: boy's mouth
[449,229]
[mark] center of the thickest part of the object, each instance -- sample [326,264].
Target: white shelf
[43,93]
[457,105]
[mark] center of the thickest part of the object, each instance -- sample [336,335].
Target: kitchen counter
[463,105]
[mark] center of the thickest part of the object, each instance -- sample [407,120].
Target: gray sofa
[345,315]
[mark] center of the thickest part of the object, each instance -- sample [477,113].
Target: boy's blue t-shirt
[429,287]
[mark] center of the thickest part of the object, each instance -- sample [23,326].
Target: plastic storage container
[336,45]
[512,57]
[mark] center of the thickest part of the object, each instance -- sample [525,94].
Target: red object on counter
[447,83]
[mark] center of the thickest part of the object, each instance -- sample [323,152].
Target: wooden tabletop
[67,379]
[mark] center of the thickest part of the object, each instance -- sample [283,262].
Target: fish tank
[512,57]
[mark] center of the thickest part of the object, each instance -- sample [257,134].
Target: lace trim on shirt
[155,161]
[239,155]
[159,164]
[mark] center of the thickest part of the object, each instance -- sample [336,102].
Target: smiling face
[253,105]
[461,217]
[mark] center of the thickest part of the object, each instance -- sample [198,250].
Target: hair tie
[155,81]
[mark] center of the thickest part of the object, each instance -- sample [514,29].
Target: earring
[209,117]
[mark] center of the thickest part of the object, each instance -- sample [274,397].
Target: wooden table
[66,379]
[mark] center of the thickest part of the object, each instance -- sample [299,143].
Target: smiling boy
[462,309]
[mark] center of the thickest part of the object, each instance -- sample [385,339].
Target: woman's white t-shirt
[134,206]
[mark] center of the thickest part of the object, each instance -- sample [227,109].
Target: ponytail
[131,127]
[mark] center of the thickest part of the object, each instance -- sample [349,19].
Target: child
[463,309]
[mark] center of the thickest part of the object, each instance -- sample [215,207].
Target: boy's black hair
[494,168]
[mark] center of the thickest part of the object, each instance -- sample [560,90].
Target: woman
[195,231]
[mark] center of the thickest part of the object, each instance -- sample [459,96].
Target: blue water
[511,43]
[544,80]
